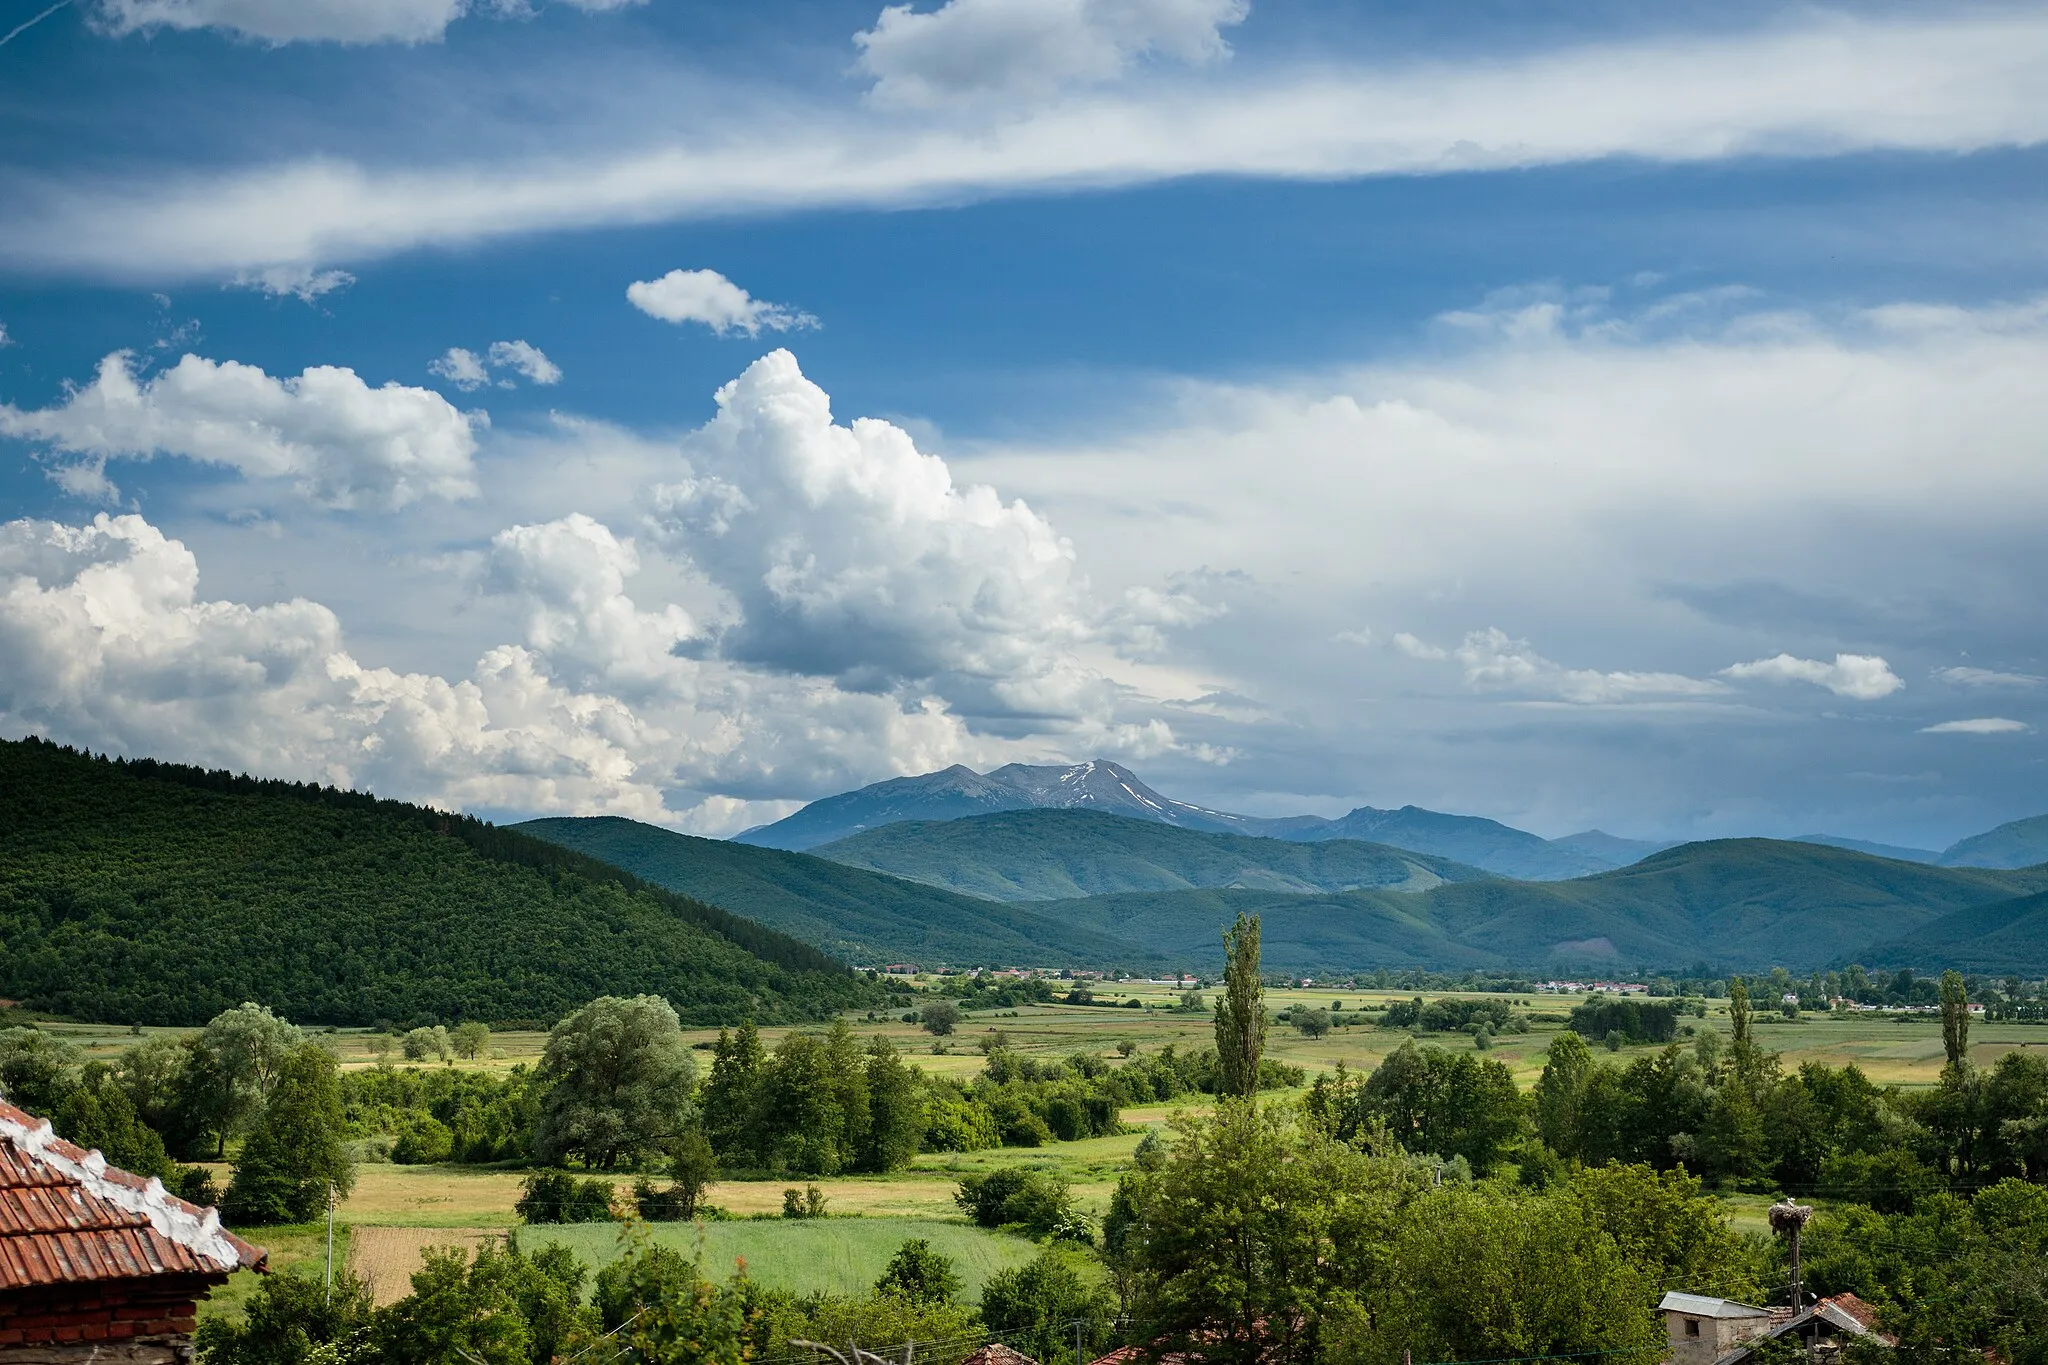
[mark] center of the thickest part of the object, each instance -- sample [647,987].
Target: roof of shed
[1700,1306]
[68,1217]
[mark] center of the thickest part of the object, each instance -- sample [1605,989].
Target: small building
[1824,1327]
[97,1264]
[1702,1330]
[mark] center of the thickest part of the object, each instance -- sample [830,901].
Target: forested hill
[866,915]
[1033,855]
[155,893]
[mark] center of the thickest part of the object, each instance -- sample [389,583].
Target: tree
[1561,1091]
[471,1039]
[1034,1307]
[503,1308]
[1955,1019]
[294,1157]
[285,1320]
[616,1079]
[235,1061]
[694,1168]
[1483,1273]
[732,1100]
[424,1043]
[940,1017]
[37,1071]
[895,1110]
[917,1272]
[102,1116]
[1240,1010]
[1440,1103]
[1252,1231]
[1311,1023]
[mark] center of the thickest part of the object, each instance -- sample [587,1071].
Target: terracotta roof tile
[66,1217]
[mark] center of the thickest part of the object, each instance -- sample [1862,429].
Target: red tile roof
[66,1217]
[995,1353]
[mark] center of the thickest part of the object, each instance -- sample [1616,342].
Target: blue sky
[1580,414]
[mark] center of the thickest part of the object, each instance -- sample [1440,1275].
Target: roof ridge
[186,1224]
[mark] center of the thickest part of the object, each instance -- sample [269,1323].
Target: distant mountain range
[960,792]
[1156,897]
[1038,855]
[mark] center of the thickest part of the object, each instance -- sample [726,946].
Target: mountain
[2021,843]
[959,792]
[1904,855]
[956,792]
[2008,937]
[1032,855]
[1745,903]
[1489,844]
[1612,849]
[863,915]
[142,892]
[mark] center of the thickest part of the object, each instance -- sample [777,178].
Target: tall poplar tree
[1955,1019]
[1241,1010]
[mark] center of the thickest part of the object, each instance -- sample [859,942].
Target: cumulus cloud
[1415,648]
[573,572]
[853,555]
[710,298]
[301,282]
[104,639]
[462,368]
[338,441]
[301,21]
[5,340]
[1863,677]
[525,359]
[468,371]
[1031,47]
[1982,725]
[1496,662]
[1964,676]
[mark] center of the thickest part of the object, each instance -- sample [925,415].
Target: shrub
[558,1197]
[1033,1200]
[423,1141]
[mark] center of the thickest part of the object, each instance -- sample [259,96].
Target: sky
[1583,413]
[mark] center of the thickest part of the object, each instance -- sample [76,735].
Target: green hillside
[1033,855]
[1746,903]
[151,893]
[2005,937]
[863,915]
[2019,843]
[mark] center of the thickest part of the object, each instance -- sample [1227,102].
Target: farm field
[396,1211]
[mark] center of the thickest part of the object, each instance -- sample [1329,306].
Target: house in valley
[97,1264]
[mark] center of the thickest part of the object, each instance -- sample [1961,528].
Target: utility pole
[1787,1218]
[330,1242]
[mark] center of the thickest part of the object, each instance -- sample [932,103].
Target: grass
[841,1255]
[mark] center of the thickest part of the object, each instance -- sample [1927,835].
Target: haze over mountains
[958,792]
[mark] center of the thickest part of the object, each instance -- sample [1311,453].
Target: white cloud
[1863,677]
[525,359]
[313,21]
[1960,80]
[462,368]
[6,340]
[468,371]
[1031,47]
[1983,725]
[710,298]
[291,21]
[573,573]
[1418,649]
[339,442]
[1495,662]
[301,282]
[851,554]
[1964,676]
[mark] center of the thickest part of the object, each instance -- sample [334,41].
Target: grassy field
[842,1255]
[395,1211]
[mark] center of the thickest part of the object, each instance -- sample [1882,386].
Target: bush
[808,1202]
[558,1197]
[1036,1305]
[919,1273]
[423,1141]
[1033,1200]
